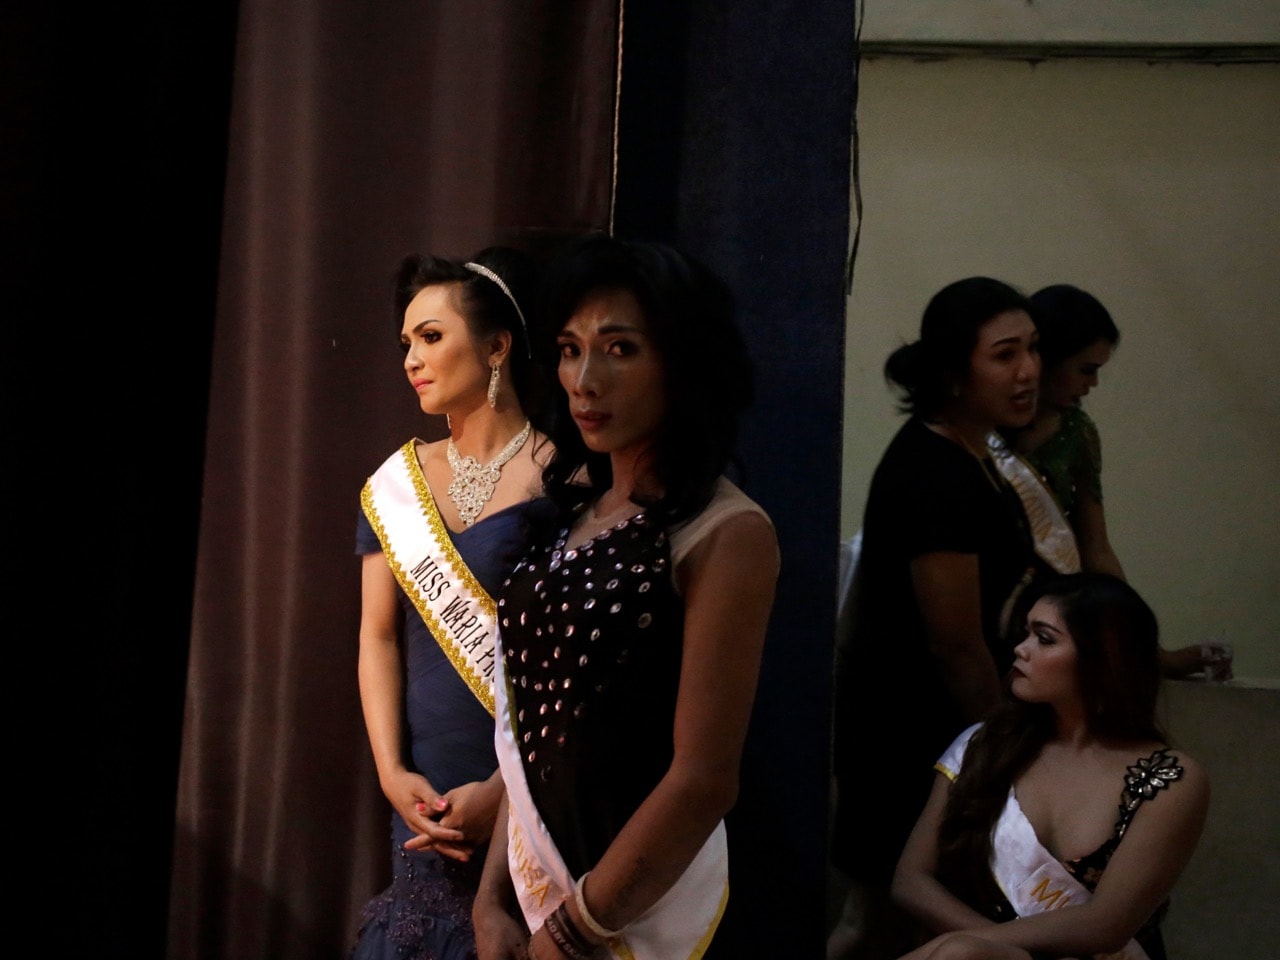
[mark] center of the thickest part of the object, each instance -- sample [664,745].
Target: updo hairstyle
[927,370]
[484,306]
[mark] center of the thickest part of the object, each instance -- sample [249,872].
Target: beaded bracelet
[595,926]
[566,937]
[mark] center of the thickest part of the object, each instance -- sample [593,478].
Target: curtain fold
[359,132]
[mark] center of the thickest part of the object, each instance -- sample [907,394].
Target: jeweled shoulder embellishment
[1151,774]
[1144,779]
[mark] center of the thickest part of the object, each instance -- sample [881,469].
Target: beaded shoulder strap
[1142,781]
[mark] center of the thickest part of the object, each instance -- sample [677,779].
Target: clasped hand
[454,823]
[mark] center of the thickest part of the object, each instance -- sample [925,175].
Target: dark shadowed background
[260,170]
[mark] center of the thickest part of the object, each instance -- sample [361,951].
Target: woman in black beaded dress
[631,636]
[1022,822]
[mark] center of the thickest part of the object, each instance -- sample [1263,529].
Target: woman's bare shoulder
[1193,772]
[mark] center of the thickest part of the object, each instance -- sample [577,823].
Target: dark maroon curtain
[359,132]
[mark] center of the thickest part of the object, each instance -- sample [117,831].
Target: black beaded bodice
[591,643]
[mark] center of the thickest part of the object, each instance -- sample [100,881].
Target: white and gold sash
[456,609]
[1055,541]
[1032,879]
[680,925]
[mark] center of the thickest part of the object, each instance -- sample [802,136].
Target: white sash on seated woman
[1032,879]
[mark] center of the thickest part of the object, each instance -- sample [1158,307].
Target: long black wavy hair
[707,374]
[487,310]
[1117,643]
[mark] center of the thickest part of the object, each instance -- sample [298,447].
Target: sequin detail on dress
[426,912]
[593,664]
[1146,778]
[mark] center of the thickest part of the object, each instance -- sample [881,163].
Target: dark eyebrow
[1042,625]
[619,328]
[418,328]
[607,330]
[1001,342]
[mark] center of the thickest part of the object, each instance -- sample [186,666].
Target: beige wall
[1157,188]
[1224,904]
[1179,22]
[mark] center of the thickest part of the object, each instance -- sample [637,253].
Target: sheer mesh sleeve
[725,502]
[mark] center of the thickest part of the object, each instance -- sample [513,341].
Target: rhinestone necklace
[473,483]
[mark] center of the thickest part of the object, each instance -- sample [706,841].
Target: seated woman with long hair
[631,636]
[1022,821]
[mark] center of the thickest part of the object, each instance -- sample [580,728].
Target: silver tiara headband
[486,272]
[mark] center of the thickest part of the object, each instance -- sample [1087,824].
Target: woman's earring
[494,379]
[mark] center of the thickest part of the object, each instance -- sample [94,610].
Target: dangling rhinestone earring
[494,378]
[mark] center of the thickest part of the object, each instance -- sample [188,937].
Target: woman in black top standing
[945,551]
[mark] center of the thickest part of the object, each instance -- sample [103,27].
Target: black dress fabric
[893,714]
[592,637]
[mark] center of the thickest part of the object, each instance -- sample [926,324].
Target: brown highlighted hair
[1116,637]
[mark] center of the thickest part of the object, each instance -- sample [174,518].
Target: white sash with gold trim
[679,926]
[456,609]
[1055,541]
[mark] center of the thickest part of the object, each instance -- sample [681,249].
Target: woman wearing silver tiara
[632,633]
[442,524]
